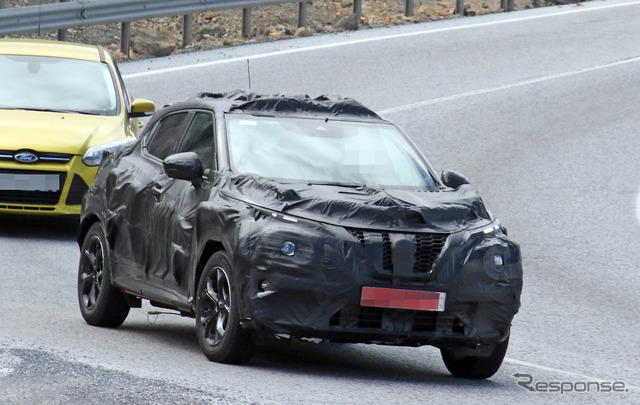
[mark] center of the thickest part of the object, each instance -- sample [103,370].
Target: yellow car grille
[44,157]
[27,196]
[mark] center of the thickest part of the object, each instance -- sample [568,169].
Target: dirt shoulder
[218,29]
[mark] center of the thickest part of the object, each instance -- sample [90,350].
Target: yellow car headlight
[93,155]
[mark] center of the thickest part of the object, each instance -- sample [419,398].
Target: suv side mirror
[184,166]
[453,179]
[141,108]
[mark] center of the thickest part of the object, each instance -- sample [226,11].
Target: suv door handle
[156,190]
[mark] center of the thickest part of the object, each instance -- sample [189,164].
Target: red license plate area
[402,299]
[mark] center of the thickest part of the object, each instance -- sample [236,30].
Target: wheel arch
[211,247]
[84,226]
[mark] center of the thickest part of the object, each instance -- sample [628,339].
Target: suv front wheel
[101,304]
[220,335]
[475,367]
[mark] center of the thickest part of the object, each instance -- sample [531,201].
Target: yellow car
[62,106]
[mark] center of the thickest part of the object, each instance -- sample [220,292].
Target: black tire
[475,367]
[101,304]
[220,335]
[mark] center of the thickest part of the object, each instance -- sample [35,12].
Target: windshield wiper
[48,110]
[335,184]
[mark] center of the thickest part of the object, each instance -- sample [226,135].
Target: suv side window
[167,135]
[200,139]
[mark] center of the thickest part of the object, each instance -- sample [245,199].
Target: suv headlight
[487,231]
[492,229]
[93,155]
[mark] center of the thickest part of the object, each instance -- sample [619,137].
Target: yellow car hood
[56,132]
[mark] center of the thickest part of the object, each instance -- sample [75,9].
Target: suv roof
[284,104]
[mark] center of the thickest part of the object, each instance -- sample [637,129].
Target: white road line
[5,371]
[558,371]
[638,206]
[507,86]
[577,9]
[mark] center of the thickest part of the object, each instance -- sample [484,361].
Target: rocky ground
[216,29]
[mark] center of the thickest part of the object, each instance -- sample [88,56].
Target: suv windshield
[324,151]
[56,84]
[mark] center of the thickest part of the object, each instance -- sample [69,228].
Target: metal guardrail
[91,12]
[67,14]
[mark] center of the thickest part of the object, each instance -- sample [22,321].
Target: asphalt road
[538,108]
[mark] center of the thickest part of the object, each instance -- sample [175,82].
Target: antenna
[249,73]
[39,16]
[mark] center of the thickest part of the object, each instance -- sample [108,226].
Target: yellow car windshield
[56,84]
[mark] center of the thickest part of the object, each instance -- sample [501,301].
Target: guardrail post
[357,10]
[187,29]
[408,8]
[507,5]
[246,22]
[302,14]
[125,37]
[62,33]
[460,7]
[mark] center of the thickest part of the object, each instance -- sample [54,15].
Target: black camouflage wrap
[443,240]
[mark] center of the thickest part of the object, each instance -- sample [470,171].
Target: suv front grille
[426,249]
[395,320]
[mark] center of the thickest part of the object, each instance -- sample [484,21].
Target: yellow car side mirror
[141,108]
